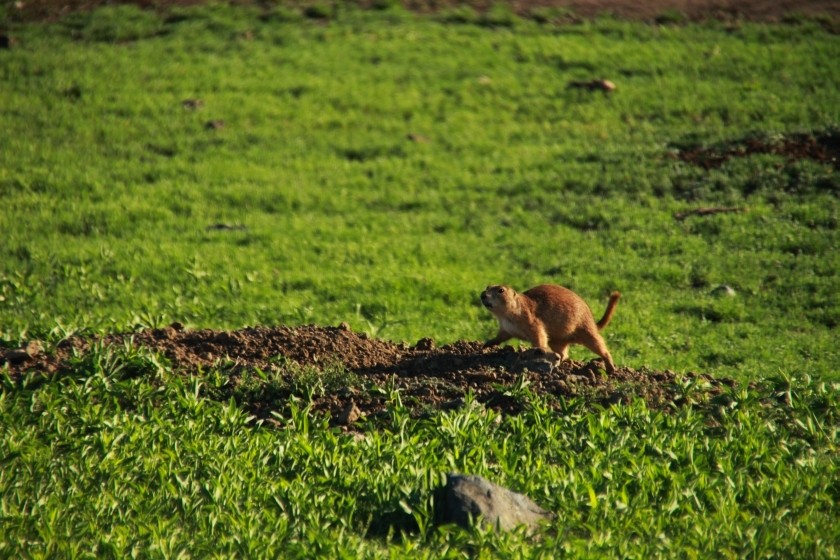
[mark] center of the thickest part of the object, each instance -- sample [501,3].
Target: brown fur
[549,317]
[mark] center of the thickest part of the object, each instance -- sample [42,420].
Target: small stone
[343,326]
[34,348]
[425,344]
[603,85]
[216,124]
[724,291]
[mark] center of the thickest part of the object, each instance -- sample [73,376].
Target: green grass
[109,186]
[109,464]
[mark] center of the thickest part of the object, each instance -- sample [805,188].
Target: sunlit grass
[380,169]
[110,463]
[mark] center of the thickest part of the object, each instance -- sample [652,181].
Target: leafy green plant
[287,377]
[147,463]
[381,170]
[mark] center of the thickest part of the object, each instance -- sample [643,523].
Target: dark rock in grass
[466,497]
[216,124]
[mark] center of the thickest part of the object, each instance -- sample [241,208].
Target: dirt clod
[350,414]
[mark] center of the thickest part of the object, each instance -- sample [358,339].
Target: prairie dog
[549,317]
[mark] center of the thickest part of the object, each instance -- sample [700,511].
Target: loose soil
[427,378]
[820,147]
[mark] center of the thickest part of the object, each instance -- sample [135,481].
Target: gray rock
[470,496]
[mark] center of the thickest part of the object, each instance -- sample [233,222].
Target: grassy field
[380,169]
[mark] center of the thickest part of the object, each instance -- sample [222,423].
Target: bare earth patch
[820,147]
[426,377]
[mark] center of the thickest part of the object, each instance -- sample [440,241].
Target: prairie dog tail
[605,320]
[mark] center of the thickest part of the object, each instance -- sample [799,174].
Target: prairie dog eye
[500,290]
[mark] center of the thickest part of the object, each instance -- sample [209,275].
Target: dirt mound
[360,375]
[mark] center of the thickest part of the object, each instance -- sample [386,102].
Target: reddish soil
[428,378]
[569,10]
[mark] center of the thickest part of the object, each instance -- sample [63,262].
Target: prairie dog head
[500,299]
